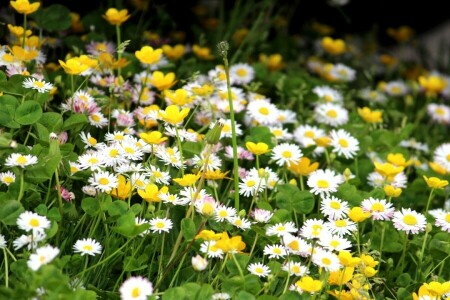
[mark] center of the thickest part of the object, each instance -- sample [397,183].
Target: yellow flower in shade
[147,55]
[333,46]
[230,245]
[239,35]
[123,189]
[303,167]
[368,261]
[86,60]
[174,52]
[202,52]
[343,295]
[437,168]
[20,54]
[370,116]
[369,272]
[146,111]
[387,169]
[398,159]
[150,193]
[433,84]
[18,31]
[435,183]
[76,24]
[388,60]
[204,90]
[161,81]
[173,115]
[152,137]
[208,235]
[323,141]
[215,175]
[357,214]
[258,148]
[179,97]
[308,284]
[187,179]
[341,276]
[115,16]
[347,260]
[401,34]
[437,289]
[73,66]
[392,191]
[24,6]
[274,62]
[322,29]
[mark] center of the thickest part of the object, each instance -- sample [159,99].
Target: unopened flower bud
[199,263]
[223,47]
[212,137]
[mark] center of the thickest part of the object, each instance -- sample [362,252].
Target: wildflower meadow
[238,162]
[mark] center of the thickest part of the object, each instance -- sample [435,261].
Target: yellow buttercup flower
[161,81]
[368,261]
[152,137]
[348,260]
[227,244]
[341,276]
[187,179]
[148,55]
[173,115]
[215,174]
[204,90]
[24,6]
[435,183]
[370,116]
[392,191]
[258,148]
[357,214]
[303,167]
[401,34]
[20,54]
[398,159]
[115,16]
[18,31]
[437,289]
[369,272]
[432,84]
[174,52]
[323,141]
[308,284]
[387,169]
[208,235]
[437,168]
[333,46]
[273,62]
[123,189]
[179,97]
[73,66]
[202,52]
[150,193]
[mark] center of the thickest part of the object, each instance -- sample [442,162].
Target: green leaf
[117,208]
[242,261]
[42,132]
[243,295]
[177,293]
[14,85]
[403,280]
[290,295]
[9,211]
[349,193]
[126,225]
[188,229]
[29,112]
[55,17]
[205,292]
[249,283]
[75,121]
[260,134]
[403,294]
[192,148]
[8,108]
[291,198]
[52,121]
[191,289]
[44,170]
[90,205]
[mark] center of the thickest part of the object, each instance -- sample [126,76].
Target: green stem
[402,258]
[430,197]
[233,137]
[181,151]
[21,191]
[419,266]
[241,273]
[119,53]
[58,185]
[6,268]
[253,246]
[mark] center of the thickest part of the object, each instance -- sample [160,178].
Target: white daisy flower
[240,222]
[103,181]
[295,268]
[141,221]
[372,95]
[305,135]
[250,185]
[226,129]
[129,167]
[328,94]
[379,209]
[263,112]
[343,143]
[31,241]
[91,160]
[87,246]
[331,114]
[396,88]
[281,229]
[161,224]
[116,136]
[296,245]
[286,116]
[259,269]
[3,242]
[280,133]
[324,182]
[261,215]
[169,155]
[286,153]
[130,151]
[441,156]
[221,296]
[209,248]
[334,208]
[313,229]
[413,144]
[275,251]
[36,84]
[155,174]
[334,242]
[97,119]
[136,288]
[223,213]
[139,180]
[241,73]
[20,160]
[439,113]
[43,256]
[213,163]
[89,190]
[443,221]
[341,72]
[341,227]
[199,263]
[7,177]
[326,259]
[88,140]
[30,221]
[409,220]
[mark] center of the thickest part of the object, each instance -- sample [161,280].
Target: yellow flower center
[96,118]
[310,134]
[447,218]
[226,128]
[294,245]
[378,207]
[410,220]
[136,292]
[277,132]
[340,223]
[281,228]
[160,225]
[113,152]
[328,98]
[42,259]
[334,243]
[92,141]
[335,205]
[448,157]
[129,150]
[264,111]
[34,223]
[92,160]
[295,269]
[259,270]
[87,247]
[395,90]
[251,183]
[322,183]
[103,181]
[277,251]
[207,209]
[326,261]
[39,84]
[332,113]
[440,111]
[287,154]
[21,160]
[223,213]
[242,72]
[343,143]
[238,222]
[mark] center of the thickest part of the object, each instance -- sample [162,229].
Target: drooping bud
[212,137]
